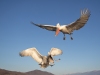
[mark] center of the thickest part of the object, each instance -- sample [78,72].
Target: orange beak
[57,32]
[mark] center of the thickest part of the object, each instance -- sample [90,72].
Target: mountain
[87,73]
[35,72]
[38,72]
[6,72]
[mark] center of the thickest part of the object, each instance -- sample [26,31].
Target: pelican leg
[64,38]
[71,36]
[52,65]
[59,59]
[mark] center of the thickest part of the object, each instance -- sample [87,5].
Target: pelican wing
[55,51]
[48,27]
[79,23]
[33,53]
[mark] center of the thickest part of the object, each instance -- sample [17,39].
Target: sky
[81,54]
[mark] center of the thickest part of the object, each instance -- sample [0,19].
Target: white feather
[33,53]
[44,61]
[55,51]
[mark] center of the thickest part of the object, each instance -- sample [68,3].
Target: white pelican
[68,29]
[44,61]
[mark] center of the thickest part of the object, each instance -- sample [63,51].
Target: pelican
[44,61]
[69,28]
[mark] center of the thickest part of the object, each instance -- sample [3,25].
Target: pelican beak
[57,31]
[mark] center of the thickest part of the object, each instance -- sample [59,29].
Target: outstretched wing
[55,51]
[33,53]
[79,23]
[48,27]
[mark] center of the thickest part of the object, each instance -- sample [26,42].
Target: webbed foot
[51,65]
[64,38]
[71,38]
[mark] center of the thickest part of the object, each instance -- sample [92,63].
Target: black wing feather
[51,28]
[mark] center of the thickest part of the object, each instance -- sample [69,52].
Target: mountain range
[35,72]
[87,73]
[39,72]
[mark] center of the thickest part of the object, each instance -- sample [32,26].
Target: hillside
[35,72]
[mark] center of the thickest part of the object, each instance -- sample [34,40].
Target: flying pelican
[68,29]
[44,61]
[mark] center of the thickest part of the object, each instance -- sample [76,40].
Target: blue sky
[17,33]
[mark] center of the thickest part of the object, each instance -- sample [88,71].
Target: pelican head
[58,25]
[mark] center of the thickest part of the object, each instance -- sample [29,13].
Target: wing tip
[85,11]
[32,22]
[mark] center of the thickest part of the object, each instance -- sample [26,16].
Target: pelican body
[44,61]
[69,28]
